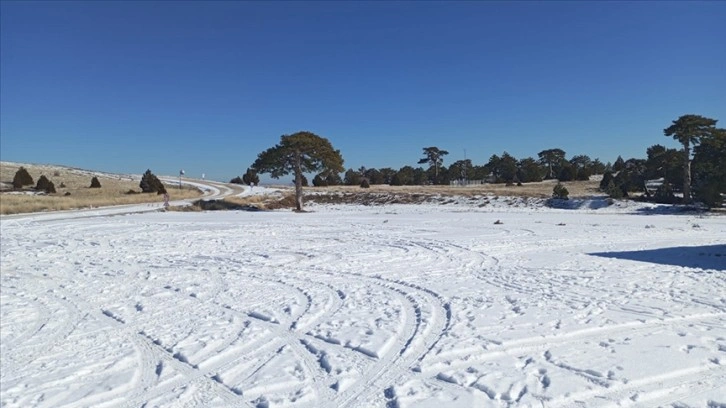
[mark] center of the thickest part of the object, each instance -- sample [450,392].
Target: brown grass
[266,202]
[385,194]
[256,200]
[534,190]
[234,203]
[113,190]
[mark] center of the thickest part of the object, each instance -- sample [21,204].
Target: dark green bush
[583,174]
[334,179]
[250,177]
[613,191]
[319,181]
[22,178]
[607,178]
[45,185]
[664,194]
[151,184]
[95,183]
[567,173]
[709,194]
[560,191]
[42,183]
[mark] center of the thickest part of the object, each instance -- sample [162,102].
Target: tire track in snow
[214,294]
[189,374]
[304,280]
[143,377]
[150,353]
[35,326]
[394,363]
[383,371]
[154,358]
[541,343]
[385,367]
[661,389]
[278,333]
[381,365]
[49,334]
[290,331]
[146,357]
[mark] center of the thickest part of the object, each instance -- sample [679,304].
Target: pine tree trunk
[687,173]
[298,183]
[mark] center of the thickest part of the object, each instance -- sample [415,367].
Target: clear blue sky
[206,86]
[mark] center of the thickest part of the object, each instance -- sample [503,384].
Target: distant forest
[697,170]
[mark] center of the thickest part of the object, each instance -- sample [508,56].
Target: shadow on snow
[704,257]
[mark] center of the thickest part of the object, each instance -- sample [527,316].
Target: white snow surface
[354,306]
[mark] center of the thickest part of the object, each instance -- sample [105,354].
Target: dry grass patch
[248,203]
[385,194]
[256,200]
[264,202]
[532,190]
[114,190]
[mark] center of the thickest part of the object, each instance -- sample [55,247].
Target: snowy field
[351,306]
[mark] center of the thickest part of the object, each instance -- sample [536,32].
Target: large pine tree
[688,130]
[301,152]
[435,158]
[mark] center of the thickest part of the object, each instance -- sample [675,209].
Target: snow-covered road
[213,190]
[347,306]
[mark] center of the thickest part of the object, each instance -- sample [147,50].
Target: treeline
[698,170]
[307,153]
[504,168]
[701,176]
[620,179]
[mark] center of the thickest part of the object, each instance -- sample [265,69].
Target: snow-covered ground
[353,306]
